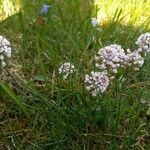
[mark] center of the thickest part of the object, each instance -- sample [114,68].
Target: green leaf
[41,78]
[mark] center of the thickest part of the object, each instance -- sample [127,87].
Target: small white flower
[94,21]
[144,42]
[96,82]
[66,69]
[5,50]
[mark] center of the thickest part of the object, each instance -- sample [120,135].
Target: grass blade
[15,98]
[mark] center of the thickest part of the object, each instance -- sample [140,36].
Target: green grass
[39,110]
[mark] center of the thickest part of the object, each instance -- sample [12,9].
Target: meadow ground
[40,110]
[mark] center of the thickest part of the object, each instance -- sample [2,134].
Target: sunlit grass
[8,8]
[134,12]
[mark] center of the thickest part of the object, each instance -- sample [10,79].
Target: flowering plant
[107,62]
[66,69]
[5,50]
[44,9]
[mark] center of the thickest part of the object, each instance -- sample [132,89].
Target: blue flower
[44,9]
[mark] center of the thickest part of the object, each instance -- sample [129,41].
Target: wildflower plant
[107,62]
[79,95]
[5,50]
[66,69]
[110,58]
[44,9]
[97,82]
[113,57]
[133,59]
[143,42]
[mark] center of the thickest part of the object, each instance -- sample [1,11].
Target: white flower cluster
[144,42]
[96,82]
[110,58]
[66,69]
[133,59]
[5,50]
